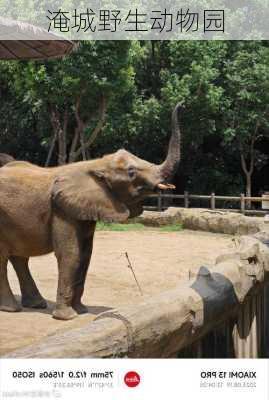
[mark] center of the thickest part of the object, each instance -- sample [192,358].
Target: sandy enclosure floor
[160,260]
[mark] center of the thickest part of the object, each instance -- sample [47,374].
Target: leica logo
[132,379]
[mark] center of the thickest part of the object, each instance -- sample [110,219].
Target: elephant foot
[81,308]
[65,313]
[33,302]
[10,305]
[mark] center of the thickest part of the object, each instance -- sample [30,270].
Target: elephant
[5,158]
[56,209]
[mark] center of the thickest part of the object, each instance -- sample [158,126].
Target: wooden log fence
[212,199]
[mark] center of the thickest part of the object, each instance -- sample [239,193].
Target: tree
[193,77]
[108,95]
[19,134]
[246,102]
[75,93]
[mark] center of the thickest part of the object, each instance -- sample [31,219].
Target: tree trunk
[248,189]
[248,185]
[249,171]
[52,145]
[81,125]
[248,175]
[73,147]
[60,130]
[79,146]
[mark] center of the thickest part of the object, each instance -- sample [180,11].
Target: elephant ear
[85,197]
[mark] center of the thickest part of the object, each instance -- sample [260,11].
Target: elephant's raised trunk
[169,166]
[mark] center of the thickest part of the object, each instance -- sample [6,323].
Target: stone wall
[205,220]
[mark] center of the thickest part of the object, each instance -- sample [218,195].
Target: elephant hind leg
[7,299]
[31,296]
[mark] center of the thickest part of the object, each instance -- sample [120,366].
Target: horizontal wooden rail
[254,199]
[231,198]
[242,199]
[206,197]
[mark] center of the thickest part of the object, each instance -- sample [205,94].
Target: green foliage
[101,226]
[224,87]
[171,228]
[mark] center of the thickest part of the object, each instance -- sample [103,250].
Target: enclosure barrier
[206,220]
[243,336]
[212,199]
[221,308]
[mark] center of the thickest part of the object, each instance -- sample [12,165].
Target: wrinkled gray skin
[56,209]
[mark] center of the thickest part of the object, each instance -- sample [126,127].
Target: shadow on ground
[94,310]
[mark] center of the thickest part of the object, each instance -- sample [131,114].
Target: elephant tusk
[164,186]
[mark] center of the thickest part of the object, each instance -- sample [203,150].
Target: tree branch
[52,145]
[243,163]
[99,126]
[97,129]
[252,144]
[60,132]
[73,145]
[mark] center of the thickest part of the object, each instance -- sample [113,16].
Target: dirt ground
[160,260]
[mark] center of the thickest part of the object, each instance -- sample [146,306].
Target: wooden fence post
[242,203]
[265,321]
[247,333]
[159,202]
[213,201]
[186,199]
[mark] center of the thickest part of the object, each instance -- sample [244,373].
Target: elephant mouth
[144,191]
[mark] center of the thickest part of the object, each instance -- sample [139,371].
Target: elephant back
[5,159]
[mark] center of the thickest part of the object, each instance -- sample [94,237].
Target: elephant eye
[131,172]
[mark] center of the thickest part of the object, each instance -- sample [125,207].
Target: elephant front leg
[86,245]
[7,299]
[72,248]
[30,294]
[65,291]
